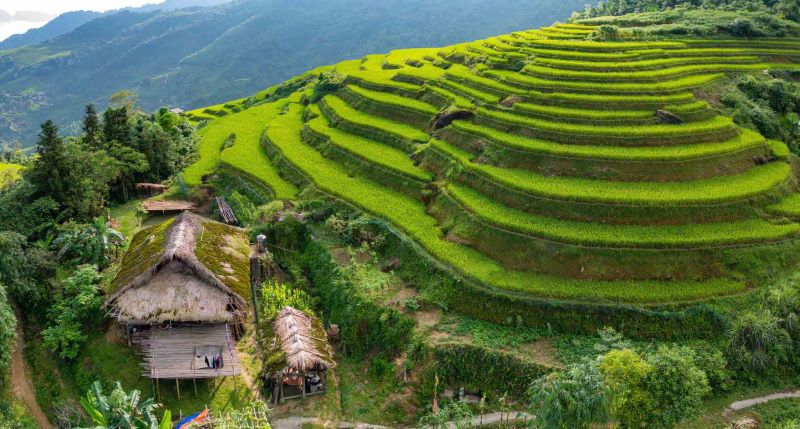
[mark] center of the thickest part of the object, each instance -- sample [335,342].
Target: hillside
[193,57]
[540,163]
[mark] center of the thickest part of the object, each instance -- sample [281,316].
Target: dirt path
[746,403]
[21,385]
[486,419]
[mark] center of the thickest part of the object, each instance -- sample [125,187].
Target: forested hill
[194,57]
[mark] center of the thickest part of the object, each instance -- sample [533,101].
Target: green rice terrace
[539,166]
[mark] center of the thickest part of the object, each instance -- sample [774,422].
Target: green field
[566,153]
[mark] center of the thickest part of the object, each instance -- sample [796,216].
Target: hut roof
[302,339]
[215,253]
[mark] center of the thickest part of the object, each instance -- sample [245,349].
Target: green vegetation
[372,151]
[679,84]
[344,112]
[395,100]
[658,75]
[746,139]
[595,234]
[9,173]
[755,181]
[245,154]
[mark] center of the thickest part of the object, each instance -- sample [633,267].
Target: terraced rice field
[499,155]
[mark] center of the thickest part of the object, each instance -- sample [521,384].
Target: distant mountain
[199,56]
[69,21]
[62,24]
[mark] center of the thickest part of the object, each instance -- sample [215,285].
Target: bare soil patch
[21,385]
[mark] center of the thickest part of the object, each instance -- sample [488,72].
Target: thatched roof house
[302,340]
[181,286]
[299,357]
[188,269]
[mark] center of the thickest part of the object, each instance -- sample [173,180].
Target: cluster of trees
[769,105]
[657,388]
[651,388]
[55,237]
[787,8]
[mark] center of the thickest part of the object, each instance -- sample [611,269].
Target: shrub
[327,83]
[574,398]
[758,342]
[743,28]
[76,309]
[276,296]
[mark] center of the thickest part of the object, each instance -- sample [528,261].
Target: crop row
[618,66]
[245,154]
[753,182]
[394,100]
[649,75]
[345,112]
[589,45]
[680,84]
[789,206]
[721,125]
[605,235]
[565,113]
[454,99]
[552,34]
[569,30]
[469,91]
[746,140]
[409,215]
[385,156]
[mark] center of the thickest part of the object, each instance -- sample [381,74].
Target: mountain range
[189,57]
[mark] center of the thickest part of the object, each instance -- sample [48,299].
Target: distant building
[176,110]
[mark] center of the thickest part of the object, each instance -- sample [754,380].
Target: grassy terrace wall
[552,194]
[687,162]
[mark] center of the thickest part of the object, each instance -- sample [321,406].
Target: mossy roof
[217,251]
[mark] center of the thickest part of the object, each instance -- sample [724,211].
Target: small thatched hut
[181,294]
[299,358]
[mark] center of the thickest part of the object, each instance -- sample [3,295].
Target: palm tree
[122,410]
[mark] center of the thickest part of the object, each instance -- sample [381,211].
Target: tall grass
[377,153]
[409,216]
[753,182]
[679,84]
[394,100]
[605,235]
[616,66]
[345,112]
[716,124]
[246,153]
[747,139]
[658,74]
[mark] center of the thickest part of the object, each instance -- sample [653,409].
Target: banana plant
[122,410]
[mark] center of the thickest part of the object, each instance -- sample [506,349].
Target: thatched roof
[302,340]
[186,269]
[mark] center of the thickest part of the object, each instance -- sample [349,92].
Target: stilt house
[181,295]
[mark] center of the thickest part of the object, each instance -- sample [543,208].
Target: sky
[49,9]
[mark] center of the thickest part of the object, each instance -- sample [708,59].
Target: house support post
[178,387]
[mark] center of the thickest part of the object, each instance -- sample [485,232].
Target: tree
[129,162]
[92,133]
[676,385]
[623,372]
[121,409]
[77,305]
[574,398]
[116,127]
[50,173]
[93,243]
[8,326]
